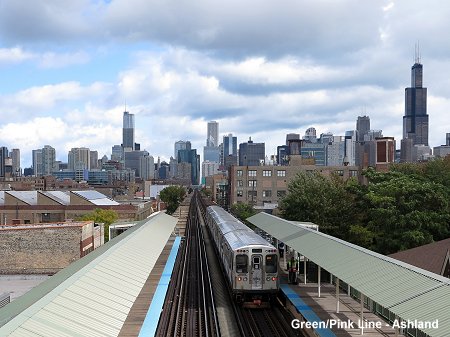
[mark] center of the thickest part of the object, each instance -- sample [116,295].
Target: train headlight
[239,279]
[267,278]
[245,279]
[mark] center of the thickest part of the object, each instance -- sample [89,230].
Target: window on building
[252,173]
[240,183]
[239,193]
[267,173]
[353,173]
[252,194]
[339,173]
[267,193]
[281,193]
[281,173]
[252,183]
[239,173]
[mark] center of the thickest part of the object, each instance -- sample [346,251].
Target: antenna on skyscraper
[417,52]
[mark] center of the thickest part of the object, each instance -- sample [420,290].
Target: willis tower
[415,121]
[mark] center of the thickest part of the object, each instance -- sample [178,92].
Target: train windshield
[241,263]
[271,263]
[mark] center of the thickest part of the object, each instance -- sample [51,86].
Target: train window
[241,263]
[271,263]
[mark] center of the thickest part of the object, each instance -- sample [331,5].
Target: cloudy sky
[260,68]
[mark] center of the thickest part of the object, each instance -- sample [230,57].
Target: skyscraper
[117,153]
[229,151]
[212,134]
[3,156]
[128,131]
[37,162]
[310,135]
[350,146]
[48,160]
[362,127]
[251,154]
[415,121]
[211,152]
[190,156]
[181,145]
[15,156]
[79,158]
[93,160]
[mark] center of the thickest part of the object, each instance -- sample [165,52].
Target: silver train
[249,262]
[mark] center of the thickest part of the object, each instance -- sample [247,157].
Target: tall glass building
[415,121]
[251,154]
[212,134]
[128,130]
[362,127]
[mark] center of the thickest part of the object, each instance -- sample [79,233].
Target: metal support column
[304,266]
[318,280]
[362,314]
[337,295]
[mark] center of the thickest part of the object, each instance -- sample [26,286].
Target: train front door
[256,272]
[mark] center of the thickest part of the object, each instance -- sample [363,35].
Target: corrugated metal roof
[59,196]
[409,292]
[96,198]
[29,197]
[104,202]
[94,295]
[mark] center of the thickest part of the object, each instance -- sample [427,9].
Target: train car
[249,262]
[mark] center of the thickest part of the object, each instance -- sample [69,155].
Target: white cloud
[14,55]
[45,99]
[261,70]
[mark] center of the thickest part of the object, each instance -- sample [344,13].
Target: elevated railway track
[199,302]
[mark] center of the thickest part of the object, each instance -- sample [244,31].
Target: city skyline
[68,69]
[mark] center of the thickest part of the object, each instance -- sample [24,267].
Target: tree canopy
[397,210]
[105,216]
[242,211]
[172,196]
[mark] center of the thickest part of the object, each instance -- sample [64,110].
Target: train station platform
[106,293]
[304,299]
[151,319]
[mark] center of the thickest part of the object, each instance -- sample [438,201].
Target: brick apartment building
[263,186]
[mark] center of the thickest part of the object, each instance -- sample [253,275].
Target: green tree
[324,201]
[105,216]
[242,211]
[405,209]
[172,196]
[437,171]
[401,209]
